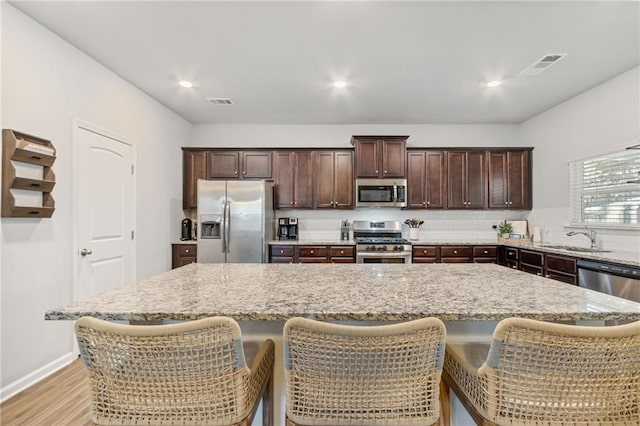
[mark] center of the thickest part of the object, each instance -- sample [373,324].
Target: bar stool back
[535,372]
[191,373]
[363,375]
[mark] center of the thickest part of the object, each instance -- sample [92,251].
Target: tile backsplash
[461,225]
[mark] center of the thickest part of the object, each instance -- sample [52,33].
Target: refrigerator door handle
[224,227]
[227,224]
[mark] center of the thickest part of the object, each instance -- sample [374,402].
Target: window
[605,190]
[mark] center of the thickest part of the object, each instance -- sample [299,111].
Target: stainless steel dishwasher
[616,280]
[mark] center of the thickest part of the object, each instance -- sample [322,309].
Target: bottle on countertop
[344,231]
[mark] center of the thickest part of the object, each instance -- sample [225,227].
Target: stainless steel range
[380,242]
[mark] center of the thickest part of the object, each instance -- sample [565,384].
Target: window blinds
[606,190]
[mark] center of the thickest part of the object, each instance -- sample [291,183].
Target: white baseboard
[33,378]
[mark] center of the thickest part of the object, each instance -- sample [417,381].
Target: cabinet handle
[424,203]
[311,251]
[514,267]
[235,172]
[292,202]
[35,157]
[385,172]
[341,251]
[486,252]
[244,172]
[510,202]
[428,202]
[281,251]
[424,252]
[506,202]
[455,252]
[376,171]
[186,251]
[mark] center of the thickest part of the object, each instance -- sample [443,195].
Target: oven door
[377,257]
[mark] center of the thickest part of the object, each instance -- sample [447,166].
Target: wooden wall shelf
[23,148]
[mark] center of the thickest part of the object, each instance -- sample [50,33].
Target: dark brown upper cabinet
[293,179]
[467,182]
[509,180]
[333,179]
[426,180]
[239,165]
[194,167]
[380,156]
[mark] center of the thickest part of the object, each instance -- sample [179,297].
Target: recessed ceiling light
[185,83]
[494,83]
[339,84]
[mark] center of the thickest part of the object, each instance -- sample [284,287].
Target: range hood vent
[543,64]
[220,101]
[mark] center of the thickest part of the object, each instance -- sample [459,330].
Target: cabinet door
[416,173]
[256,165]
[343,180]
[302,180]
[194,167]
[324,179]
[498,178]
[519,195]
[456,180]
[223,165]
[393,158]
[367,158]
[509,180]
[476,180]
[435,180]
[283,179]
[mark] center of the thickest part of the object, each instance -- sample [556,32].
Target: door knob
[86,252]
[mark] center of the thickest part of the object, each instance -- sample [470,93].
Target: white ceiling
[405,62]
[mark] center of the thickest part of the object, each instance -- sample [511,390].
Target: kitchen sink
[571,248]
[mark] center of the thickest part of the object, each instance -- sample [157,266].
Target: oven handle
[386,255]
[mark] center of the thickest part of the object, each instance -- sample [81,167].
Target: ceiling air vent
[220,101]
[543,63]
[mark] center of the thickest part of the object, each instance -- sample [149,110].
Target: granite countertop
[613,256]
[314,242]
[375,292]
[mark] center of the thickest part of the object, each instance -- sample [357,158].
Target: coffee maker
[288,228]
[187,229]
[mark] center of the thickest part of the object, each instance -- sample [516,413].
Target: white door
[105,211]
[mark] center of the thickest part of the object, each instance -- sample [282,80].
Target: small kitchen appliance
[381,192]
[380,242]
[288,228]
[187,230]
[344,231]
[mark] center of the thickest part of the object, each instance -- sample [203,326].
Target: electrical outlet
[494,226]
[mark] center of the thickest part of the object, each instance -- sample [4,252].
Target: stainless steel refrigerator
[235,221]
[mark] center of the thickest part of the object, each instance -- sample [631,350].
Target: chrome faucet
[591,234]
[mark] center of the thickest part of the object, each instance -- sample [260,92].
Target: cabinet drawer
[341,251]
[455,251]
[312,259]
[425,260]
[187,250]
[282,259]
[485,251]
[561,264]
[531,269]
[425,251]
[565,278]
[455,259]
[532,258]
[282,251]
[511,254]
[343,260]
[184,261]
[312,251]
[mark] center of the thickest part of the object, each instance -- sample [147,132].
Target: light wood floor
[61,399]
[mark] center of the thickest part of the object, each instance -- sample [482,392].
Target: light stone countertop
[313,242]
[361,292]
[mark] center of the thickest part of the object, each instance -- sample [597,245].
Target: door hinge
[132,169]
[132,234]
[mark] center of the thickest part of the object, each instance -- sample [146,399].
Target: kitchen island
[470,298]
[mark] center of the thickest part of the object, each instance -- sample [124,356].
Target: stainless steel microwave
[381,192]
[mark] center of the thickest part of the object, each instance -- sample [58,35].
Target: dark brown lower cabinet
[562,268]
[485,254]
[311,254]
[424,254]
[182,254]
[554,266]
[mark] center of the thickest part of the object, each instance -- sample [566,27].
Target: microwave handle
[395,193]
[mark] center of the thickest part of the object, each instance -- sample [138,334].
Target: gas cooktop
[381,240]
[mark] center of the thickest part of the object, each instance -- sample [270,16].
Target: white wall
[45,84]
[339,136]
[601,120]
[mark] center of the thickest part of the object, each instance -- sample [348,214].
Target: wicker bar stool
[538,373]
[191,373]
[363,375]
